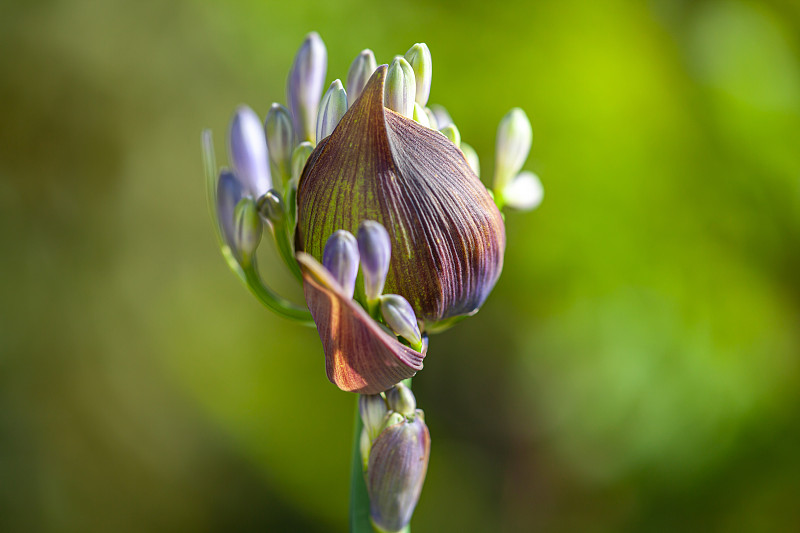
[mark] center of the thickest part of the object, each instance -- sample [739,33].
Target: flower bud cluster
[395,448]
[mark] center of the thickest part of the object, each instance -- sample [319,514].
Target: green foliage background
[636,368]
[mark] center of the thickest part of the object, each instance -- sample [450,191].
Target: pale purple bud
[305,84]
[280,139]
[331,110]
[513,145]
[419,57]
[247,146]
[433,122]
[340,257]
[360,72]
[472,158]
[401,400]
[442,116]
[373,410]
[299,158]
[400,317]
[398,462]
[229,192]
[400,87]
[247,230]
[375,249]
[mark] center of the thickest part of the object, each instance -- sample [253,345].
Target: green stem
[272,300]
[285,249]
[359,499]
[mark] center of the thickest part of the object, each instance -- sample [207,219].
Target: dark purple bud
[375,249]
[247,145]
[341,260]
[398,462]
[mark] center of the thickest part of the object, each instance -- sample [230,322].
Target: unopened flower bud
[442,116]
[373,411]
[451,132]
[400,316]
[360,71]
[331,110]
[229,192]
[400,87]
[402,400]
[375,249]
[340,257]
[280,139]
[525,192]
[421,116]
[392,418]
[305,84]
[247,230]
[398,462]
[432,122]
[419,57]
[248,151]
[472,158]
[513,144]
[271,207]
[299,158]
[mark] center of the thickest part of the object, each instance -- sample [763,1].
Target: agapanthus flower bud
[433,123]
[401,400]
[451,132]
[447,236]
[472,158]
[398,462]
[373,411]
[280,139]
[375,249]
[360,71]
[442,116]
[513,145]
[299,158]
[421,116]
[419,57]
[247,230]
[305,84]
[400,317]
[341,259]
[400,87]
[525,192]
[247,145]
[271,207]
[331,110]
[229,192]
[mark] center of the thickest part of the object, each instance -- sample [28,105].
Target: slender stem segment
[272,300]
[359,499]
[285,249]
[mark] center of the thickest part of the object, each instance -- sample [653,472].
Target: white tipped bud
[340,257]
[442,116]
[402,400]
[419,57]
[400,87]
[280,139]
[525,192]
[451,132]
[360,71]
[513,145]
[400,317]
[472,158]
[421,116]
[299,158]
[373,411]
[305,84]
[247,145]
[331,110]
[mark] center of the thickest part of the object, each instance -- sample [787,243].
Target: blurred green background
[635,369]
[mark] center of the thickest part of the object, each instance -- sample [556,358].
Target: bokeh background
[635,370]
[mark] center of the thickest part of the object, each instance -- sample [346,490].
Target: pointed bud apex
[399,315]
[400,87]
[271,207]
[375,249]
[341,259]
[513,144]
[421,116]
[247,146]
[401,400]
[360,72]
[299,158]
[280,139]
[451,132]
[525,192]
[229,192]
[305,84]
[396,471]
[472,158]
[441,114]
[419,57]
[247,232]
[331,110]
[373,411]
